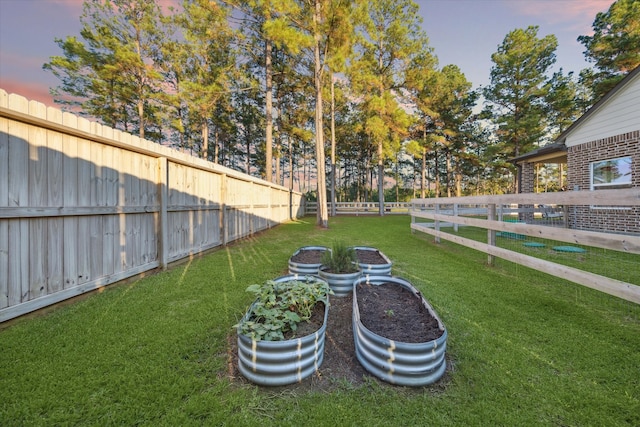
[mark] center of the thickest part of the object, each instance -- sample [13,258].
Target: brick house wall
[528,178]
[527,185]
[579,159]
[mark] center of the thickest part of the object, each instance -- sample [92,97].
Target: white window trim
[606,186]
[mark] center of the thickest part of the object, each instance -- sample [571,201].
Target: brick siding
[528,178]
[579,159]
[527,185]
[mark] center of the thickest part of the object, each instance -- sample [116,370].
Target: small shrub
[341,259]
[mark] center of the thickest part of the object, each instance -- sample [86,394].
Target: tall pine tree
[614,47]
[111,74]
[517,91]
[389,38]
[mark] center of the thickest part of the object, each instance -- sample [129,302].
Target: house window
[610,174]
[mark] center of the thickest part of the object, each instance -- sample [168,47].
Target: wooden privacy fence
[83,205]
[541,216]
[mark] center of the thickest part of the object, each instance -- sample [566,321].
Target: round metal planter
[407,364]
[276,363]
[306,269]
[340,283]
[374,269]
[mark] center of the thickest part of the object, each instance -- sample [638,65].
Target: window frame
[612,185]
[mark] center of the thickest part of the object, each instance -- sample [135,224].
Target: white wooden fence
[83,205]
[361,208]
[432,216]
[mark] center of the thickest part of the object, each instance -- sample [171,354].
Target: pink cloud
[32,91]
[578,15]
[20,60]
[166,4]
[73,6]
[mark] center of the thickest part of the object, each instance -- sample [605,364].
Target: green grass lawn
[525,348]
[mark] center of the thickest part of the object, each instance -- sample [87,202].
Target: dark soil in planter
[308,256]
[394,312]
[340,367]
[370,257]
[314,323]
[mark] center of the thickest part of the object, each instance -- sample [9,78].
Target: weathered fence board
[4,201]
[83,205]
[37,176]
[55,231]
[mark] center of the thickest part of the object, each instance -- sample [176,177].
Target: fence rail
[549,216]
[361,208]
[83,205]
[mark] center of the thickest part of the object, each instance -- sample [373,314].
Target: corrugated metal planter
[374,269]
[276,363]
[306,268]
[340,283]
[407,364]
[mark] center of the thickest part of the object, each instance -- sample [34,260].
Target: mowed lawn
[524,348]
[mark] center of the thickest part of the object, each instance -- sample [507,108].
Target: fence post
[290,205]
[491,233]
[455,214]
[270,208]
[252,210]
[437,223]
[163,225]
[413,218]
[223,209]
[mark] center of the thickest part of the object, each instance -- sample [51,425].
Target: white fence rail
[83,205]
[532,215]
[361,208]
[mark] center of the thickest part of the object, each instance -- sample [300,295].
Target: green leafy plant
[280,307]
[340,259]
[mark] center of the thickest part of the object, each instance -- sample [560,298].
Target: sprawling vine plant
[280,307]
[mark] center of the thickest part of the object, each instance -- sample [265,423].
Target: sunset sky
[462,32]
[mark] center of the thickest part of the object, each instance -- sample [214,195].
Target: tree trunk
[397,179]
[248,144]
[423,173]
[290,165]
[448,160]
[141,118]
[323,214]
[381,143]
[216,145]
[333,149]
[305,172]
[276,177]
[437,174]
[205,140]
[380,180]
[269,110]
